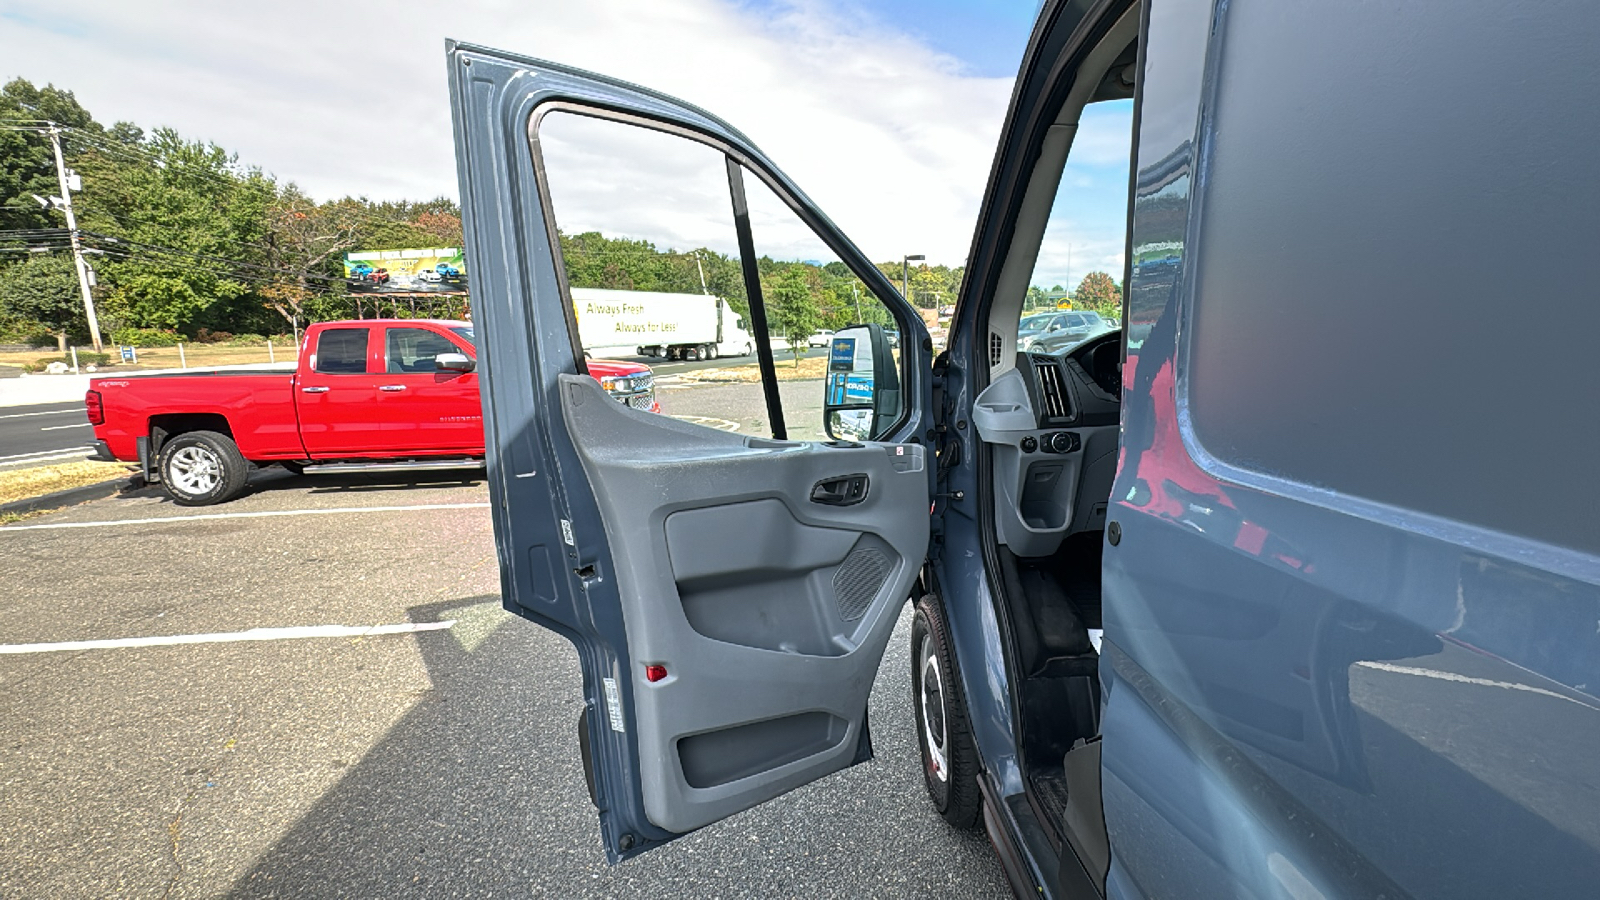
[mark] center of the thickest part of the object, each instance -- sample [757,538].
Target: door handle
[391,388]
[315,390]
[847,490]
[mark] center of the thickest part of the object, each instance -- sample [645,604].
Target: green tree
[1097,291]
[190,225]
[27,164]
[43,289]
[791,308]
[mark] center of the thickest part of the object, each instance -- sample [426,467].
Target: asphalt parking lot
[434,756]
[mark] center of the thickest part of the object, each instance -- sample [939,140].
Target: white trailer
[674,326]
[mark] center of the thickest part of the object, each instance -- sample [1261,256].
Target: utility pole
[72,228]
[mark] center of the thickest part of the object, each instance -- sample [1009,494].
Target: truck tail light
[96,409]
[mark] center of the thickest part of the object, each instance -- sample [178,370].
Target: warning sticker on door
[614,704]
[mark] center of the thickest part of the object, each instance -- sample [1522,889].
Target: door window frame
[737,163]
[449,338]
[317,352]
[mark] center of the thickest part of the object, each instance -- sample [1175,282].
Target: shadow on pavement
[478,791]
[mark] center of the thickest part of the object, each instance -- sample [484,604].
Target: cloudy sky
[885,111]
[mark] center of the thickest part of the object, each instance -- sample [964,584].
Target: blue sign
[858,388]
[127,354]
[842,356]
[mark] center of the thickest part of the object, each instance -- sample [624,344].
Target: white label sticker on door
[566,532]
[614,704]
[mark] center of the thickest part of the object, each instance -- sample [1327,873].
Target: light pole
[905,270]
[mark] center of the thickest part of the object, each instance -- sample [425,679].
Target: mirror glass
[861,385]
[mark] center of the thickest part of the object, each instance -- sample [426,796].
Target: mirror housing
[862,387]
[454,362]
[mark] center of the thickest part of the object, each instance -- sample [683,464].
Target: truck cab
[1245,598]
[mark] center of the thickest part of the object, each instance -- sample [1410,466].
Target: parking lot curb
[71,496]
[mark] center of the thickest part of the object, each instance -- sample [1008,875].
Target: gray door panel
[770,612]
[650,542]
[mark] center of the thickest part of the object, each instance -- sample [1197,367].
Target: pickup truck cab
[363,392]
[1288,588]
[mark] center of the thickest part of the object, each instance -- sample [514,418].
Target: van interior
[1049,426]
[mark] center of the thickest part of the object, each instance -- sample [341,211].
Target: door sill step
[401,466]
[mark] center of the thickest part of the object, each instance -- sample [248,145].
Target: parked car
[821,338]
[1055,332]
[398,392]
[1263,601]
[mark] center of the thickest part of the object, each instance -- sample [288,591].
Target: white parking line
[254,634]
[42,453]
[59,427]
[247,515]
[53,412]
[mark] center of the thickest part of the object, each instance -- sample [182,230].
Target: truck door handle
[315,390]
[391,388]
[847,490]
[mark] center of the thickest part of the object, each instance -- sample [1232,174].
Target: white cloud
[890,138]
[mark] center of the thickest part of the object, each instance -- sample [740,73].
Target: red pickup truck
[373,391]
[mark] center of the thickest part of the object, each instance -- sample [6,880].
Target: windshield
[466,332]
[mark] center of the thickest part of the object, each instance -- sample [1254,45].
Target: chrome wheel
[932,711]
[194,470]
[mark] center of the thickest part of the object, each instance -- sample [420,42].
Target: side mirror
[454,362]
[863,384]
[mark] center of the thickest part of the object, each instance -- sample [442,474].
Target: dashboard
[1052,426]
[1082,387]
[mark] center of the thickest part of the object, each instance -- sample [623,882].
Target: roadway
[48,432]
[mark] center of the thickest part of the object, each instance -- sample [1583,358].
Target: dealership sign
[434,269]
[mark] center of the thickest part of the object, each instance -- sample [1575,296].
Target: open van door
[730,595]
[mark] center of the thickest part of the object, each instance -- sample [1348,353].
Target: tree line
[183,239]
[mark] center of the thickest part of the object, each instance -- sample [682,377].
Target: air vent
[1052,392]
[996,348]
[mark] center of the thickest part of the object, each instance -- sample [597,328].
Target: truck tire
[199,468]
[711,351]
[944,732]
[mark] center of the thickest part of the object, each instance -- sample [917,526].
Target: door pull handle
[314,390]
[391,388]
[847,490]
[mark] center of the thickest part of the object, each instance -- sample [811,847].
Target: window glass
[465,331]
[1082,258]
[413,349]
[652,258]
[342,351]
[809,294]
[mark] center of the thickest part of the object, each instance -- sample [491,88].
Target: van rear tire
[200,468]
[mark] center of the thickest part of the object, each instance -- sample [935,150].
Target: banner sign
[434,269]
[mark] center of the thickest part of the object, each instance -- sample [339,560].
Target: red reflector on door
[655,673]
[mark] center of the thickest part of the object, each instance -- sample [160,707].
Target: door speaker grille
[858,580]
